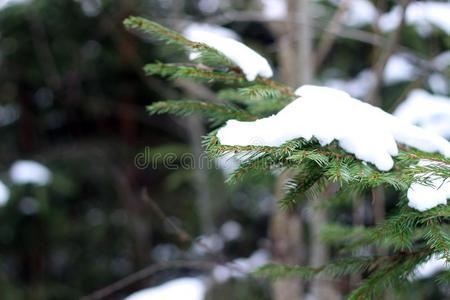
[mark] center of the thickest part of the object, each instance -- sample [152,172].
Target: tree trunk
[286,235]
[286,229]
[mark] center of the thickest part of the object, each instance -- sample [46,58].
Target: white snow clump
[423,197]
[221,39]
[429,268]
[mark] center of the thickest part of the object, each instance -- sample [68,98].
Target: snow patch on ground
[328,114]
[431,112]
[250,62]
[4,194]
[429,268]
[30,172]
[422,15]
[181,288]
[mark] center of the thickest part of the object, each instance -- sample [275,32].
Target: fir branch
[197,72]
[275,271]
[404,229]
[256,104]
[392,272]
[438,240]
[443,278]
[253,166]
[336,269]
[204,73]
[217,113]
[208,55]
[171,37]
[259,91]
[385,271]
[310,172]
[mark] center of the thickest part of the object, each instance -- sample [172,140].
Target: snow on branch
[431,112]
[221,39]
[429,268]
[328,114]
[423,196]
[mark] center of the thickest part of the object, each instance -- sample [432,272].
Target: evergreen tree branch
[218,113]
[171,37]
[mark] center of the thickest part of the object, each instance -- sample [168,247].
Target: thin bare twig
[385,53]
[330,33]
[145,273]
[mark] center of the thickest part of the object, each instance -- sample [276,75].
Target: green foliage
[168,36]
[202,73]
[407,237]
[218,113]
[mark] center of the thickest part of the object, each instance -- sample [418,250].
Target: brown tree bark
[286,229]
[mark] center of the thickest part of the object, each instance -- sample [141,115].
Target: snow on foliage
[431,112]
[228,163]
[221,39]
[328,114]
[181,288]
[423,197]
[4,194]
[195,30]
[28,171]
[422,15]
[429,268]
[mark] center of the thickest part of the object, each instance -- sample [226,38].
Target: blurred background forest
[73,214]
